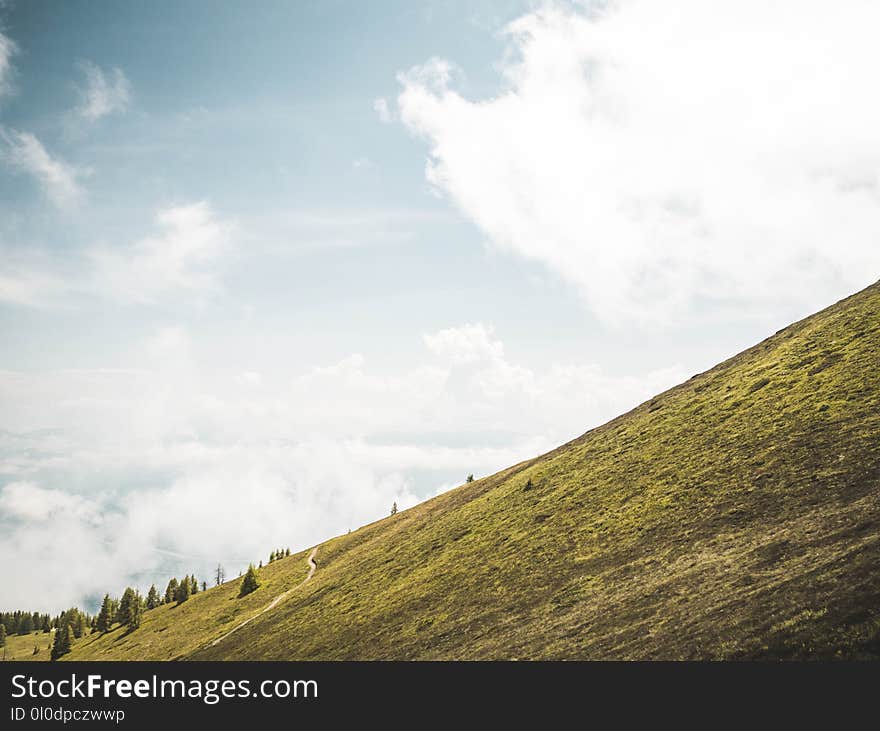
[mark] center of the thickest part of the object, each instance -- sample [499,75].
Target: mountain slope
[734,516]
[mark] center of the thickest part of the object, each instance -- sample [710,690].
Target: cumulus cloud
[59,180]
[181,257]
[466,344]
[103,93]
[181,463]
[659,156]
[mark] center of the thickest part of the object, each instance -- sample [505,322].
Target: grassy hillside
[734,516]
[172,631]
[21,647]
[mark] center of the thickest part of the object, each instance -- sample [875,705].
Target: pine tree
[204,586]
[153,598]
[25,624]
[219,575]
[123,613]
[183,591]
[135,611]
[105,617]
[193,584]
[171,591]
[77,623]
[2,635]
[394,508]
[287,551]
[63,641]
[250,582]
[47,627]
[261,564]
[470,478]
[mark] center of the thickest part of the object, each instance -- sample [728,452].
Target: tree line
[24,623]
[126,611]
[68,625]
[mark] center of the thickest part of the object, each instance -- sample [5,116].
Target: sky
[267,268]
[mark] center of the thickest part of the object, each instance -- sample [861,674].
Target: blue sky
[297,260]
[264,113]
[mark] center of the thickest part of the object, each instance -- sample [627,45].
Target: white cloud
[27,283]
[466,344]
[185,461]
[661,155]
[103,94]
[58,179]
[39,523]
[180,258]
[7,51]
[185,256]
[27,501]
[251,378]
[380,106]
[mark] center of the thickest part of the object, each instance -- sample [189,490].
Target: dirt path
[276,601]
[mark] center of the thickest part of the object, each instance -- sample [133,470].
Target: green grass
[21,647]
[172,631]
[734,516]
